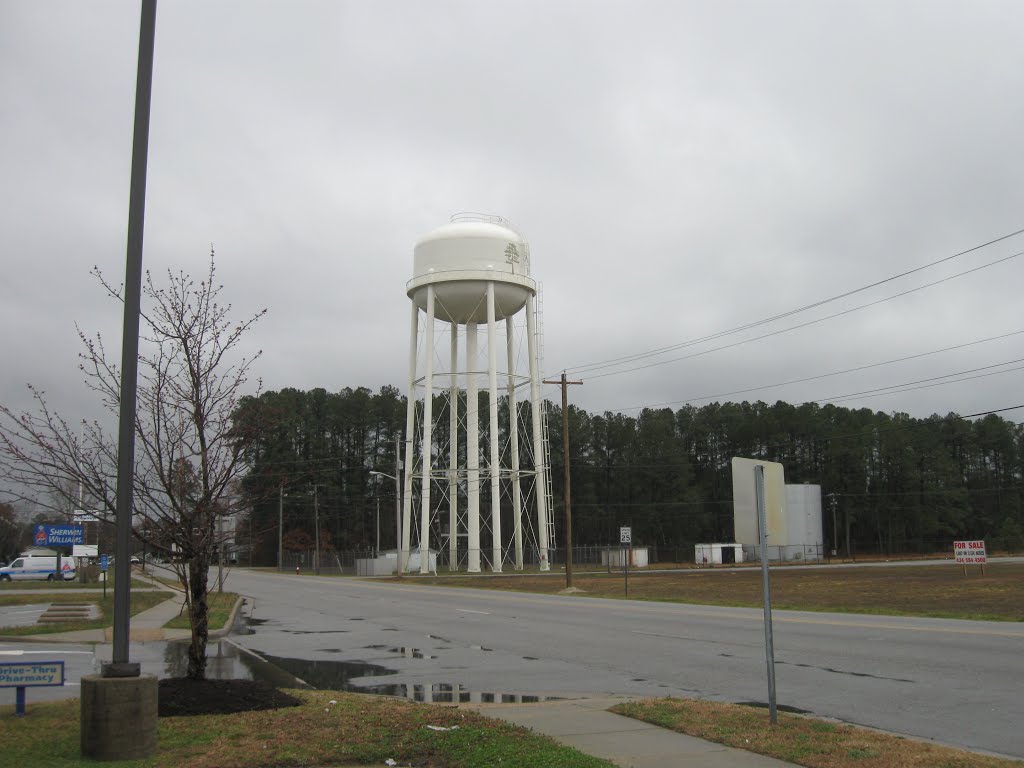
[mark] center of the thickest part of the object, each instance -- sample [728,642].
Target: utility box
[615,557]
[375,566]
[414,561]
[717,554]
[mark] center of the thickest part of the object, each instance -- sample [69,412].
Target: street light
[398,515]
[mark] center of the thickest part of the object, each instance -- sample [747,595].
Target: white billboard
[744,501]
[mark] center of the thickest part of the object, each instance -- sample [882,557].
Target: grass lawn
[329,729]
[140,601]
[58,585]
[801,740]
[928,590]
[219,604]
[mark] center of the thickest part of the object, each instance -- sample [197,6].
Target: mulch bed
[181,697]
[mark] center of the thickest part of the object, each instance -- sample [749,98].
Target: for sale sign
[969,552]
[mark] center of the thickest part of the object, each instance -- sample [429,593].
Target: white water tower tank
[474,355]
[460,259]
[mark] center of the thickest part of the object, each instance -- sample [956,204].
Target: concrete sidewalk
[587,725]
[146,626]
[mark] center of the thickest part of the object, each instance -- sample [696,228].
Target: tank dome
[459,259]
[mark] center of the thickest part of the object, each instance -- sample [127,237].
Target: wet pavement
[373,668]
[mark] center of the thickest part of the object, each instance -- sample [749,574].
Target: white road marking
[45,653]
[469,610]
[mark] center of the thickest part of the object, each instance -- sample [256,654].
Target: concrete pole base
[119,717]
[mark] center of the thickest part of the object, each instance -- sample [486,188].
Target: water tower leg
[492,385]
[428,434]
[410,427]
[513,428]
[472,453]
[453,453]
[540,488]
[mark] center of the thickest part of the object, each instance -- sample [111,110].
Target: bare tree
[188,450]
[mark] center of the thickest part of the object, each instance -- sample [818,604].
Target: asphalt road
[957,682]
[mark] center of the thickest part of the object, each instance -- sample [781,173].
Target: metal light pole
[109,729]
[398,513]
[120,666]
[376,547]
[398,503]
[280,528]
[769,643]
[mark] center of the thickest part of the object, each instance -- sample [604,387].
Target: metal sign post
[104,561]
[762,524]
[626,539]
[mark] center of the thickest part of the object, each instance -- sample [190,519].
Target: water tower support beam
[410,426]
[540,483]
[472,453]
[428,434]
[492,382]
[513,430]
[453,445]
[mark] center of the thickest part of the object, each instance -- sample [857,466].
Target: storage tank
[461,259]
[474,338]
[805,537]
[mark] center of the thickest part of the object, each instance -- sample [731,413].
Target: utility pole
[835,529]
[568,488]
[316,525]
[280,528]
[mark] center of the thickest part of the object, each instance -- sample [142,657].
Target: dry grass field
[939,590]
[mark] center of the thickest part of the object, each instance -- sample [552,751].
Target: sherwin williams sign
[58,535]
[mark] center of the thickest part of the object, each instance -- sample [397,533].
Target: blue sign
[58,535]
[19,674]
[103,562]
[29,674]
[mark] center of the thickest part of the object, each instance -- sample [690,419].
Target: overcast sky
[680,169]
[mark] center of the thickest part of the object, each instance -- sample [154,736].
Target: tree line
[890,483]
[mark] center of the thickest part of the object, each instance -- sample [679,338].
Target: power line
[650,353]
[870,495]
[803,325]
[909,388]
[820,376]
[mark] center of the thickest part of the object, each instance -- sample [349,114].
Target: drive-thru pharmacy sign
[30,674]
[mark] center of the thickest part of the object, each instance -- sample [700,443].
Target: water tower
[475,451]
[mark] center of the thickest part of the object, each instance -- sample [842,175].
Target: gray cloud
[679,169]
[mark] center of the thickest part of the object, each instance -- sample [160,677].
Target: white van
[38,567]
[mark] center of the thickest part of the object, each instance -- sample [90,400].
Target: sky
[680,169]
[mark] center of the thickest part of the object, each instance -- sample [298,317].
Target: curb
[217,634]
